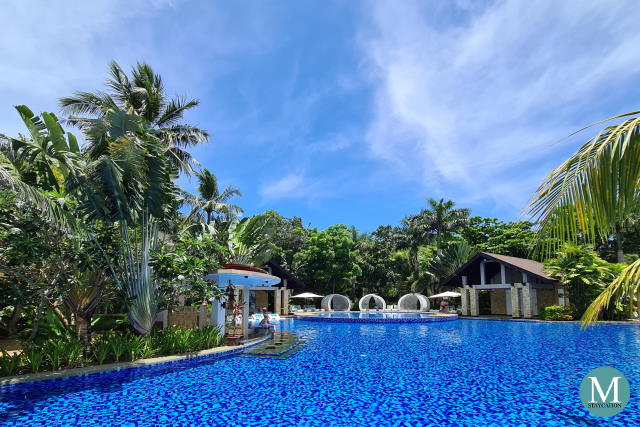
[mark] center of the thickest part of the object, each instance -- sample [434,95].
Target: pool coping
[505,319]
[322,317]
[220,352]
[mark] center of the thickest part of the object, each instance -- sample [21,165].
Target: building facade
[492,284]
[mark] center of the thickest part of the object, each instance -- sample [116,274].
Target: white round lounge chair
[417,302]
[335,302]
[365,300]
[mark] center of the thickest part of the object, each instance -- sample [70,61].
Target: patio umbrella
[307,295]
[447,294]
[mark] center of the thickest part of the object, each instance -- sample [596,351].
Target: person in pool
[264,323]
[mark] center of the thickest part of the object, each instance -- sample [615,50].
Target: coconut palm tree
[442,218]
[412,234]
[141,95]
[591,197]
[211,200]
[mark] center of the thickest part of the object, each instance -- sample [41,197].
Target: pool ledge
[220,352]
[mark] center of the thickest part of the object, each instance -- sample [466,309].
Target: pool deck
[224,351]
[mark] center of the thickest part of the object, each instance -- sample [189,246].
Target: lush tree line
[100,226]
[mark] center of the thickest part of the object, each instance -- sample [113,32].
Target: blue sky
[346,111]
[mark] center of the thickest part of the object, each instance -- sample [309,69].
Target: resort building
[276,299]
[504,285]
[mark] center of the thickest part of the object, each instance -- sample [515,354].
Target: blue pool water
[467,372]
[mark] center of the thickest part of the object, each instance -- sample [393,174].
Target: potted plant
[234,335]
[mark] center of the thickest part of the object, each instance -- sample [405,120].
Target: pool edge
[218,353]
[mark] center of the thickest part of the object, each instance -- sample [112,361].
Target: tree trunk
[83,329]
[36,322]
[208,217]
[11,326]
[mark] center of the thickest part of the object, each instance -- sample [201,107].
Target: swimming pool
[467,372]
[376,317]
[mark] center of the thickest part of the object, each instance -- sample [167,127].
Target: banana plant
[249,240]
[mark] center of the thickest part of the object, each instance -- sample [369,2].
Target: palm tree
[141,95]
[412,234]
[211,200]
[448,260]
[442,218]
[592,196]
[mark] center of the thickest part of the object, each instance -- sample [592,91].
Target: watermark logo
[604,391]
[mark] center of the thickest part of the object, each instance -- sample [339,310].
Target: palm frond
[626,288]
[87,103]
[174,111]
[594,191]
[181,135]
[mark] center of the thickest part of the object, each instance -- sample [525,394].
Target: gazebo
[335,302]
[414,301]
[366,300]
[245,279]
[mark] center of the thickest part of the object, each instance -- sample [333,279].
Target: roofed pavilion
[504,285]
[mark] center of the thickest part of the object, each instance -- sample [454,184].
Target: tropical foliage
[592,198]
[584,275]
[96,226]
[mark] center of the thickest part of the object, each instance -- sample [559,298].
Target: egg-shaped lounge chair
[366,300]
[416,302]
[335,302]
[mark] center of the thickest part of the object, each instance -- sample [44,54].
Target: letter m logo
[595,387]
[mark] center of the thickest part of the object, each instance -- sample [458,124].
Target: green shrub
[163,341]
[101,349]
[109,322]
[54,351]
[73,352]
[136,346]
[555,312]
[34,356]
[118,343]
[9,363]
[211,337]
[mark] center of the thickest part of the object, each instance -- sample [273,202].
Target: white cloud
[289,186]
[51,50]
[469,101]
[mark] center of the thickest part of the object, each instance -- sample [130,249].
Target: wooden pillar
[278,301]
[503,273]
[245,313]
[482,279]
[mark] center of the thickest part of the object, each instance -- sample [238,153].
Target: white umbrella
[447,294]
[307,295]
